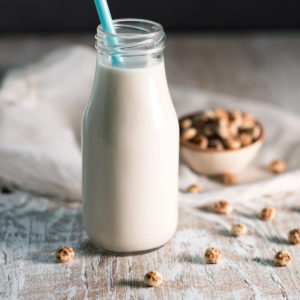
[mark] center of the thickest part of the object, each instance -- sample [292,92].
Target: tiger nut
[282,258]
[248,121]
[239,229]
[294,236]
[233,129]
[236,117]
[216,144]
[204,117]
[222,207]
[268,213]
[64,254]
[186,123]
[189,133]
[153,278]
[223,130]
[201,141]
[209,130]
[194,189]
[208,115]
[256,132]
[246,139]
[213,255]
[221,113]
[228,178]
[277,166]
[232,143]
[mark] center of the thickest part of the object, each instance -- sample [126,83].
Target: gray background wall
[74,15]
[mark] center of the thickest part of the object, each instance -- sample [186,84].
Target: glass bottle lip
[156,28]
[133,37]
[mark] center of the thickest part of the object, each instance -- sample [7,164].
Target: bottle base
[125,253]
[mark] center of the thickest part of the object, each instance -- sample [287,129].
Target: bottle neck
[136,43]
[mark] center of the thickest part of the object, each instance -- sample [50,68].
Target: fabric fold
[41,107]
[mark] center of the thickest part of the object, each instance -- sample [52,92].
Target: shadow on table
[278,240]
[295,209]
[264,261]
[206,208]
[193,259]
[42,257]
[224,232]
[132,283]
[251,216]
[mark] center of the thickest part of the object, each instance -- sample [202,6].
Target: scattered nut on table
[268,213]
[64,254]
[294,236]
[213,255]
[277,166]
[228,178]
[223,207]
[239,229]
[282,258]
[153,278]
[194,189]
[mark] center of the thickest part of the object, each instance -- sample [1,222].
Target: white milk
[130,144]
[130,160]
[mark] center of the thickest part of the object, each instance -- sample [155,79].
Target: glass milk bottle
[130,142]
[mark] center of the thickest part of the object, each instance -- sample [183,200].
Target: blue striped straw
[108,26]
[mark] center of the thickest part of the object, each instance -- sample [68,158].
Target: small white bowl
[217,162]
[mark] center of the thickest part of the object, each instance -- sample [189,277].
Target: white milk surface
[130,159]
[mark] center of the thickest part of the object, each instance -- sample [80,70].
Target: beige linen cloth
[41,107]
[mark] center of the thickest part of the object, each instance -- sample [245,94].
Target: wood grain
[32,227]
[263,67]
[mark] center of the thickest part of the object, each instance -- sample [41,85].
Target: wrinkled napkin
[41,107]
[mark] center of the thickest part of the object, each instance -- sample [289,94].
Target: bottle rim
[133,37]
[156,28]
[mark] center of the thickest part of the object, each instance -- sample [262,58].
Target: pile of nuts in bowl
[220,129]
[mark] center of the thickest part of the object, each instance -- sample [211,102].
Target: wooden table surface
[265,67]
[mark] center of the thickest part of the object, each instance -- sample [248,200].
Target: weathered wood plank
[262,67]
[31,228]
